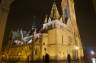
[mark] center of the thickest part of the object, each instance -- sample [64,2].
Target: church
[61,36]
[58,37]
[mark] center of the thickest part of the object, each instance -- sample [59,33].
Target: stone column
[4,10]
[3,17]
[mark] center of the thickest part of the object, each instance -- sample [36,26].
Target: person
[43,58]
[68,58]
[46,58]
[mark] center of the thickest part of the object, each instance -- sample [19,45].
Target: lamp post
[92,56]
[92,52]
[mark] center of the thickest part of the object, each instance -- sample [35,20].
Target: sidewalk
[43,62]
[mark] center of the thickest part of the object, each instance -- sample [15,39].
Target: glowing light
[76,47]
[92,52]
[93,60]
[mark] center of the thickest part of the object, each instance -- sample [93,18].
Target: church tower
[58,37]
[63,35]
[54,12]
[71,22]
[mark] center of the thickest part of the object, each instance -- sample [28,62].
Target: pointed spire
[49,20]
[63,15]
[35,31]
[54,12]
[61,19]
[46,19]
[21,32]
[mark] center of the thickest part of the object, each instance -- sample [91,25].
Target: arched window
[67,14]
[36,51]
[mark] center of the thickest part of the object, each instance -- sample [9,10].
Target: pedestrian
[43,58]
[68,58]
[46,58]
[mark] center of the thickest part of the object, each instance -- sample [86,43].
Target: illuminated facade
[58,37]
[62,36]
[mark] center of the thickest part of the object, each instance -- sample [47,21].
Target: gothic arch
[4,11]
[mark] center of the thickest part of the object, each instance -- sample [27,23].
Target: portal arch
[4,11]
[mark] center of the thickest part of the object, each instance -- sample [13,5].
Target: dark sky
[23,13]
[86,19]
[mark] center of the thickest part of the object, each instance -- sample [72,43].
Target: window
[36,51]
[67,14]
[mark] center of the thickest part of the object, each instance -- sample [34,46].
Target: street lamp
[93,59]
[92,52]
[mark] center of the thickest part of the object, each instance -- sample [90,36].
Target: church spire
[46,19]
[54,12]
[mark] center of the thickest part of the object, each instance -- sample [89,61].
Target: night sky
[86,19]
[24,13]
